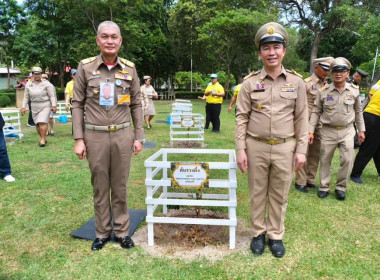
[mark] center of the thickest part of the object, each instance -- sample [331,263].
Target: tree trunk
[227,83]
[9,77]
[314,50]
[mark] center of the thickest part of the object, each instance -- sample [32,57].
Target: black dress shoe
[340,195]
[125,242]
[322,194]
[258,244]
[301,188]
[311,186]
[99,243]
[277,248]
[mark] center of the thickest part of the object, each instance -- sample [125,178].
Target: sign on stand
[190,175]
[186,127]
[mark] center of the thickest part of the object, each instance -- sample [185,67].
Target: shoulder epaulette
[127,62]
[88,60]
[324,87]
[294,72]
[354,86]
[307,79]
[251,74]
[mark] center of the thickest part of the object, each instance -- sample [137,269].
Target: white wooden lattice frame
[159,162]
[12,123]
[61,110]
[179,133]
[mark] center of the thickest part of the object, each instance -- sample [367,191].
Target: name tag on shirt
[107,93]
[124,99]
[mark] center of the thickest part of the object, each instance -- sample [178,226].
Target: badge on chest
[107,94]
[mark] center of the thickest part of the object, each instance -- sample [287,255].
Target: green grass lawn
[52,196]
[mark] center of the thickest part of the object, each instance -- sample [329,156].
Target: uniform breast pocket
[289,99]
[257,100]
[329,105]
[349,105]
[123,88]
[93,88]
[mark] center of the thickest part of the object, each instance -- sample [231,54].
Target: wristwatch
[142,141]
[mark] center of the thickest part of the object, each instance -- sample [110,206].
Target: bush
[5,100]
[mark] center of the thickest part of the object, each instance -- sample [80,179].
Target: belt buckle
[112,128]
[339,127]
[272,142]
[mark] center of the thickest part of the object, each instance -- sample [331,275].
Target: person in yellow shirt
[370,148]
[215,94]
[69,90]
[236,93]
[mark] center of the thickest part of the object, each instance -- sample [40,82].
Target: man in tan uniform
[337,107]
[105,135]
[305,177]
[271,134]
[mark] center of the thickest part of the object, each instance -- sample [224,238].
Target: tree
[322,17]
[10,16]
[228,38]
[369,41]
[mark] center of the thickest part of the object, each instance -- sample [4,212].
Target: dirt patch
[188,242]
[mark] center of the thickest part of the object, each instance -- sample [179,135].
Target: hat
[324,62]
[340,63]
[147,77]
[362,73]
[213,76]
[73,72]
[271,32]
[36,69]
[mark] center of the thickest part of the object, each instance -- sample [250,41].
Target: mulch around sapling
[188,242]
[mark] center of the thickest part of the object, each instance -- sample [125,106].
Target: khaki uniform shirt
[93,71]
[39,92]
[337,109]
[272,109]
[313,84]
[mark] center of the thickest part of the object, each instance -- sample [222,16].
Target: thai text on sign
[190,175]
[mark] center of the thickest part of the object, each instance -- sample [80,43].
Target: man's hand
[242,160]
[80,148]
[361,136]
[54,109]
[23,110]
[137,147]
[311,138]
[300,159]
[67,108]
[229,109]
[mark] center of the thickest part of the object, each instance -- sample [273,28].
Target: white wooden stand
[12,123]
[158,179]
[178,132]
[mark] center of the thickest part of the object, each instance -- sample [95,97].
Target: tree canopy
[164,37]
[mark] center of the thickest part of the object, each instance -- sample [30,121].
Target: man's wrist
[142,141]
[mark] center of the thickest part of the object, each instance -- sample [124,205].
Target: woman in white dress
[148,93]
[44,100]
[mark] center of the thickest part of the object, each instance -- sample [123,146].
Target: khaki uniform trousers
[332,138]
[270,173]
[308,172]
[109,157]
